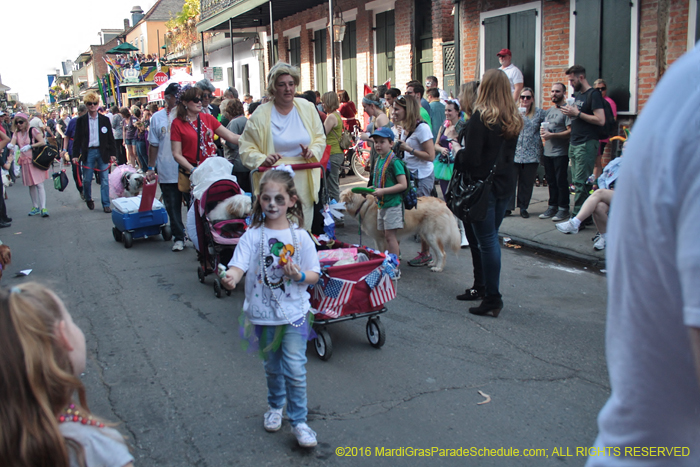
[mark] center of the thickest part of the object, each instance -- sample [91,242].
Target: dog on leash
[5,257]
[235,207]
[430,219]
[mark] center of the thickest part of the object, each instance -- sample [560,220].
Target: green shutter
[522,43]
[321,65]
[495,39]
[295,51]
[587,48]
[349,53]
[424,40]
[615,64]
[386,48]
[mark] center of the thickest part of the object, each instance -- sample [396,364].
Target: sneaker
[34,212]
[567,227]
[273,420]
[561,215]
[549,213]
[600,244]
[306,437]
[423,259]
[524,214]
[44,212]
[179,245]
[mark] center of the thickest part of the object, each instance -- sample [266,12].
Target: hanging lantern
[338,26]
[258,50]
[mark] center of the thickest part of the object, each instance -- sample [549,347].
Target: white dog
[133,183]
[430,219]
[235,207]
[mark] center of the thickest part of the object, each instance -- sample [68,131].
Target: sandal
[472,294]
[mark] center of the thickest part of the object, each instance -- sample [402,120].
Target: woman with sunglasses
[32,176]
[529,150]
[489,140]
[191,127]
[415,139]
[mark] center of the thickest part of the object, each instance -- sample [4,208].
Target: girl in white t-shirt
[42,352]
[281,262]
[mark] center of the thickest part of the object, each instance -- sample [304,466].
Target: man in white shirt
[515,76]
[432,82]
[160,156]
[653,322]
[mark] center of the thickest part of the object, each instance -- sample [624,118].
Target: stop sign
[160,78]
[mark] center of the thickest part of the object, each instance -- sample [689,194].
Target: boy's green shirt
[395,169]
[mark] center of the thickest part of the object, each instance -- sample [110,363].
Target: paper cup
[522,110]
[570,101]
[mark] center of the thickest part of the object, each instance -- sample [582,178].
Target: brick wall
[555,48]
[404,32]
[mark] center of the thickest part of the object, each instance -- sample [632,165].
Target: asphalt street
[166,362]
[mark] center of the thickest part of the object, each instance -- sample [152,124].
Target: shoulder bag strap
[199,136]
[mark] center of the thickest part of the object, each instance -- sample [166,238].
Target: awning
[180,78]
[253,13]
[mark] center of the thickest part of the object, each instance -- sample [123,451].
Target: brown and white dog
[235,207]
[430,219]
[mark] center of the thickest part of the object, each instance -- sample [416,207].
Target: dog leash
[359,228]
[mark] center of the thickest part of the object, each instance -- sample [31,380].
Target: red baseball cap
[504,52]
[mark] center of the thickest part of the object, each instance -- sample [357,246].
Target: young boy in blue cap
[389,183]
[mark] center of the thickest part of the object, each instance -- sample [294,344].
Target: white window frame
[537,6]
[634,52]
[692,25]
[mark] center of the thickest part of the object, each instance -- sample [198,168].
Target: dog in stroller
[220,219]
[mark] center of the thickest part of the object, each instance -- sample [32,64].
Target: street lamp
[258,50]
[338,26]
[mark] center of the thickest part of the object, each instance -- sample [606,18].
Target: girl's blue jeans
[286,374]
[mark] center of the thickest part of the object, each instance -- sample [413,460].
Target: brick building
[628,43]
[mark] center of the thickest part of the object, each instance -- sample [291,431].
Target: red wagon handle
[305,166]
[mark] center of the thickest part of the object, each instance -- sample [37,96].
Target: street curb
[554,251]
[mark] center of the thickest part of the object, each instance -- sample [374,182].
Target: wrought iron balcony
[209,8]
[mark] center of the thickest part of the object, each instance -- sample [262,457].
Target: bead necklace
[279,284]
[72,415]
[380,174]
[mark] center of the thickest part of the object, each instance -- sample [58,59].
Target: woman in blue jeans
[490,139]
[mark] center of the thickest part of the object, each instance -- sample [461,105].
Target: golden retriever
[430,219]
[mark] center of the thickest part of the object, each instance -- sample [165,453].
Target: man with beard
[586,114]
[556,151]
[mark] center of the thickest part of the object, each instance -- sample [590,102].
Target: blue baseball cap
[384,133]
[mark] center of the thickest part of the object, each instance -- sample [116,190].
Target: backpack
[409,196]
[610,128]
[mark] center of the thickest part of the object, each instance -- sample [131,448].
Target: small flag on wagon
[383,292]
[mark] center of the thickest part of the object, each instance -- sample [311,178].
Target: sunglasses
[91,103]
[525,98]
[602,89]
[196,100]
[206,96]
[401,100]
[20,122]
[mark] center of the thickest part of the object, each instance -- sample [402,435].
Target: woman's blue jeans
[286,373]
[141,153]
[486,233]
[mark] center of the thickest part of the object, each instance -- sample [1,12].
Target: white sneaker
[179,245]
[306,437]
[567,227]
[273,420]
[600,243]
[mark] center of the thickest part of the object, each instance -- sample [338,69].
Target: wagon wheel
[376,335]
[323,344]
[128,239]
[117,234]
[166,232]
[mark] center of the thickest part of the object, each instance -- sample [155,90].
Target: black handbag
[468,199]
[44,156]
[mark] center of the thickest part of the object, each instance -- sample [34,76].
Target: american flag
[336,293]
[383,292]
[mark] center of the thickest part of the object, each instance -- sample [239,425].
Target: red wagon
[352,291]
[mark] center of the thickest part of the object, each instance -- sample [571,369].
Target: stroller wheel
[200,274]
[228,293]
[323,344]
[375,332]
[217,288]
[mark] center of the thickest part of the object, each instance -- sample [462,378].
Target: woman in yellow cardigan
[286,131]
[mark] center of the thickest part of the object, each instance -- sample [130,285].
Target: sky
[37,35]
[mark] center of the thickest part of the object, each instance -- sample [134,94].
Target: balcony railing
[209,8]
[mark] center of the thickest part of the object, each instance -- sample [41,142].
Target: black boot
[491,304]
